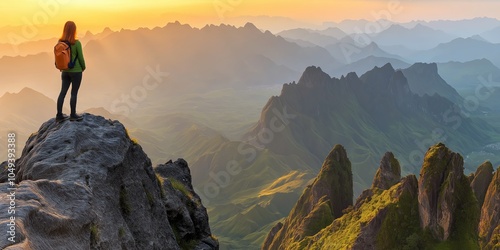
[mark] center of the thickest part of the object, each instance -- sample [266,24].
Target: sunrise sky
[94,15]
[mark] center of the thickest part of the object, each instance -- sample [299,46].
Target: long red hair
[69,32]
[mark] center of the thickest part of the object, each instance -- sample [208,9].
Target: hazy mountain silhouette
[492,35]
[17,112]
[44,45]
[351,26]
[310,36]
[223,56]
[461,50]
[348,51]
[317,37]
[419,37]
[274,24]
[363,65]
[463,28]
[480,38]
[333,32]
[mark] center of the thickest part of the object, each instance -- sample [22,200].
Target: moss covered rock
[441,172]
[489,225]
[323,201]
[481,181]
[389,172]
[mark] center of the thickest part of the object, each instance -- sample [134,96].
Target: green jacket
[80,63]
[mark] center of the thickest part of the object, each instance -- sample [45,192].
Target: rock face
[186,214]
[405,192]
[441,179]
[489,225]
[481,181]
[321,203]
[87,185]
[388,174]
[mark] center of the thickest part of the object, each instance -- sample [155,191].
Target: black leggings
[69,78]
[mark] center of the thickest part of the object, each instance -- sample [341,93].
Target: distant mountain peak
[250,25]
[25,92]
[386,70]
[313,76]
[425,68]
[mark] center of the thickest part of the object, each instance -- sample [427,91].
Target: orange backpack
[62,53]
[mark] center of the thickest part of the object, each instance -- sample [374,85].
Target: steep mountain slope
[87,185]
[477,80]
[321,203]
[437,212]
[465,77]
[424,79]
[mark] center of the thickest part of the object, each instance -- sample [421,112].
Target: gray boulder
[87,185]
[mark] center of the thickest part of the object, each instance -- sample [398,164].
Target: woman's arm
[81,59]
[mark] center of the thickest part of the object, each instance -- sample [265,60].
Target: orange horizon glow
[48,16]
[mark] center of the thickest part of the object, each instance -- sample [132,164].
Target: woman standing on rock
[72,76]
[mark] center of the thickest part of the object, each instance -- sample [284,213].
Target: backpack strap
[71,51]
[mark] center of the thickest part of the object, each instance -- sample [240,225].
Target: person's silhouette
[71,76]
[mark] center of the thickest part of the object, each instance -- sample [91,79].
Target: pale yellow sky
[48,16]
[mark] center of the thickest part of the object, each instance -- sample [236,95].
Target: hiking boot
[61,117]
[75,117]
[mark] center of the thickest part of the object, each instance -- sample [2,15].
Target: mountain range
[419,37]
[251,157]
[461,50]
[367,114]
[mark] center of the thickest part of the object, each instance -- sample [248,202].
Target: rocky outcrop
[388,216]
[186,214]
[321,203]
[481,181]
[388,174]
[270,237]
[489,225]
[438,210]
[440,186]
[87,185]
